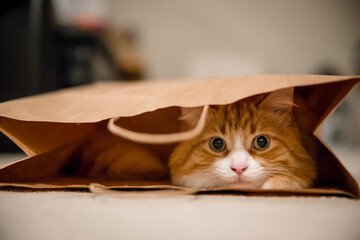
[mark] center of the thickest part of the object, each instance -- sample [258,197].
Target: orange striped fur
[284,164]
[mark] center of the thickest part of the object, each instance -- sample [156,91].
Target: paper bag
[52,129]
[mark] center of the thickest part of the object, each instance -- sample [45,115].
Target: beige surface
[74,215]
[85,216]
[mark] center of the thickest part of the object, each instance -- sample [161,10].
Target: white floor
[74,215]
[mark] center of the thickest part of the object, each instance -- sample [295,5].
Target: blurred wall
[206,38]
[184,38]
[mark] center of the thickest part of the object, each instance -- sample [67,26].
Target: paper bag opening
[62,163]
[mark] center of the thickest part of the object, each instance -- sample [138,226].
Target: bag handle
[166,138]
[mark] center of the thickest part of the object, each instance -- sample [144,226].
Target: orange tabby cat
[253,143]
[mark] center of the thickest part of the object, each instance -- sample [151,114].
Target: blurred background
[47,45]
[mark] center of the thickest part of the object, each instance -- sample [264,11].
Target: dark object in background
[86,56]
[26,29]
[39,56]
[78,48]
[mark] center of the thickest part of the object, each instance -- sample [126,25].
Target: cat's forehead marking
[240,117]
[229,117]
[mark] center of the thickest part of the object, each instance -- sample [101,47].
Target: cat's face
[243,145]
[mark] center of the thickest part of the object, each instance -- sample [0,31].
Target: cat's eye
[217,144]
[261,142]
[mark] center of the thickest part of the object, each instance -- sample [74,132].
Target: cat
[252,143]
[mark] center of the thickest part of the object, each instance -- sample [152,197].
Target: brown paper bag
[51,128]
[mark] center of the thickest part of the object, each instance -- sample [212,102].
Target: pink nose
[239,169]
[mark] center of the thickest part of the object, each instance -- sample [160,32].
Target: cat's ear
[191,115]
[280,101]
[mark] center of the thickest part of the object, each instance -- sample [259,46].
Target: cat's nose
[239,169]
